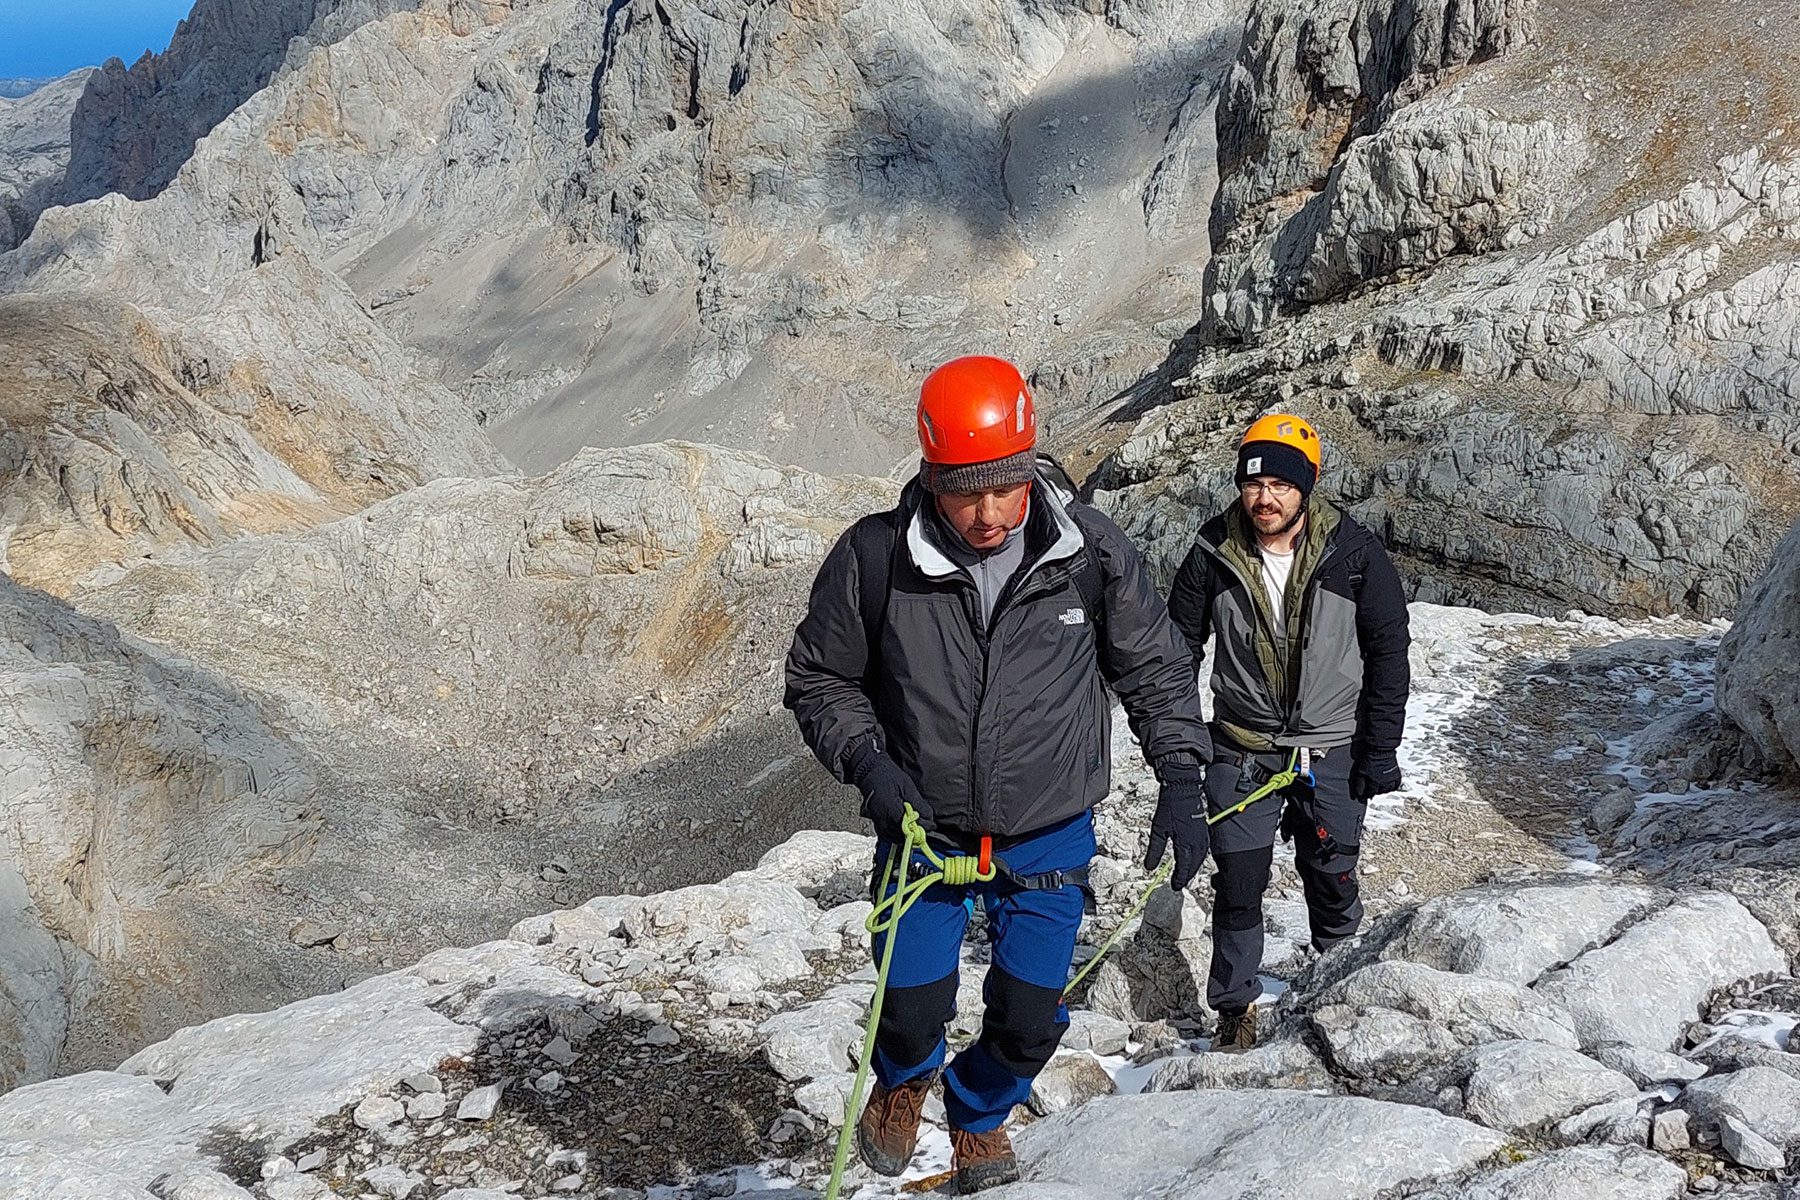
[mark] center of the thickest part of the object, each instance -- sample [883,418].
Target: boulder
[1272,1145]
[1748,1148]
[1474,1008]
[1758,689]
[1285,1063]
[1382,1043]
[1765,1100]
[818,1039]
[1614,1123]
[1096,1032]
[1647,1068]
[1517,933]
[1645,986]
[1580,1173]
[1517,1085]
[1069,1081]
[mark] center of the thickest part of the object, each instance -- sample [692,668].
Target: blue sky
[53,37]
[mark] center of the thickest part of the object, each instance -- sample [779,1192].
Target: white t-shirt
[1275,571]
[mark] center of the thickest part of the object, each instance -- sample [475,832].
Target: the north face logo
[1073,616]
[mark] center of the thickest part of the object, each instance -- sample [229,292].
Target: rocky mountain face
[755,224]
[573,664]
[307,680]
[125,775]
[34,148]
[1542,307]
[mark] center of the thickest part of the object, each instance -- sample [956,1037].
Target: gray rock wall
[34,151]
[1759,661]
[1549,334]
[124,777]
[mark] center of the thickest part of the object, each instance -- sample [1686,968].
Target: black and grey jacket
[1005,729]
[1340,676]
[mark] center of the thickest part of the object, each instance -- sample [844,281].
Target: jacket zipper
[1009,598]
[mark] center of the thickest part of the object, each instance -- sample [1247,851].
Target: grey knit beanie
[940,478]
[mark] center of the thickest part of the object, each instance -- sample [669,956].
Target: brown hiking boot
[1237,1030]
[888,1130]
[982,1160]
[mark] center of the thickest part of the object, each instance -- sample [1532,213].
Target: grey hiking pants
[1326,826]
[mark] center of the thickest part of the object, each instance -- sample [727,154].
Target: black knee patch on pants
[913,1021]
[1333,896]
[1238,887]
[1023,1024]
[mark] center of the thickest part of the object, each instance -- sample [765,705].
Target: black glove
[1375,773]
[887,790]
[1181,816]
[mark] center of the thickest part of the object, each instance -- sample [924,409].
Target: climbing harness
[963,870]
[1299,767]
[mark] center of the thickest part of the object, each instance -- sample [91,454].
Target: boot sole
[877,1161]
[979,1179]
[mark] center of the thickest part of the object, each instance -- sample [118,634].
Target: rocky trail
[1545,1002]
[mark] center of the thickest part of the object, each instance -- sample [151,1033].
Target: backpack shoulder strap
[1090,581]
[876,539]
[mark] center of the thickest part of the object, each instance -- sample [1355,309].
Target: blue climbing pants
[1032,933]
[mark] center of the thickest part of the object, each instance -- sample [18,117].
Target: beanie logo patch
[1253,466]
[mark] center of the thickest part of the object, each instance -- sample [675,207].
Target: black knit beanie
[1279,460]
[941,478]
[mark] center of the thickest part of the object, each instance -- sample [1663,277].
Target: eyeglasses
[1280,489]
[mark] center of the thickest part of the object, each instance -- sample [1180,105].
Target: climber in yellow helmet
[1310,671]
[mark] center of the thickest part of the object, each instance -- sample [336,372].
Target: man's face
[1273,504]
[983,518]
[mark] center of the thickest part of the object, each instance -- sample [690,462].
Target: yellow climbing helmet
[1287,430]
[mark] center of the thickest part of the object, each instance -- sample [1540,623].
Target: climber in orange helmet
[954,659]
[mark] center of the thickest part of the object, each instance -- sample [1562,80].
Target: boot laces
[905,1104]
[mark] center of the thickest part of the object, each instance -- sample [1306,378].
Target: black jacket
[1005,730]
[1347,679]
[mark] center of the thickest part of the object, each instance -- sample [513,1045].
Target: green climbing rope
[962,871]
[1276,783]
[954,870]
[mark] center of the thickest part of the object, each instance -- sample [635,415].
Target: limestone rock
[815,1041]
[1646,1067]
[1095,1032]
[1279,1145]
[1748,1148]
[1765,1100]
[34,151]
[1644,986]
[1757,689]
[1517,933]
[1283,1063]
[1069,1081]
[1516,1085]
[1476,1009]
[1581,1173]
[1382,1043]
[191,785]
